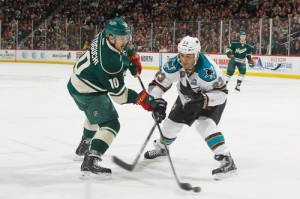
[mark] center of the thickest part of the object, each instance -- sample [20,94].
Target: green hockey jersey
[101,70]
[241,51]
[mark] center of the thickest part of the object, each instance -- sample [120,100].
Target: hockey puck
[197,189]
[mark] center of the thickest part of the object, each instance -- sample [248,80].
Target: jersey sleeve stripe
[84,86]
[118,93]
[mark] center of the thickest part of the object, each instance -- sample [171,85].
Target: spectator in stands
[85,45]
[284,49]
[295,50]
[84,21]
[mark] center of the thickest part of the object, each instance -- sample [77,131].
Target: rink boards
[271,66]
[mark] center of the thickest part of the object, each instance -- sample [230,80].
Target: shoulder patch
[172,65]
[205,69]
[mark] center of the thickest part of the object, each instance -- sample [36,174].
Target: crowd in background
[158,25]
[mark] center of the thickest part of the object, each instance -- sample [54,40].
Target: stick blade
[186,186]
[122,164]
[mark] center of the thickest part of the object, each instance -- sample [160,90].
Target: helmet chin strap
[196,58]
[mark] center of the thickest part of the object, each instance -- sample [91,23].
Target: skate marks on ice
[258,125]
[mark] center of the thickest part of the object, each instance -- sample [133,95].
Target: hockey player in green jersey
[238,51]
[98,77]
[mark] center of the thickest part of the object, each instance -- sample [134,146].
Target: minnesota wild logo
[112,23]
[95,113]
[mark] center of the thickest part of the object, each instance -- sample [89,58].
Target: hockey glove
[198,103]
[251,63]
[159,113]
[232,59]
[200,99]
[146,101]
[135,66]
[231,56]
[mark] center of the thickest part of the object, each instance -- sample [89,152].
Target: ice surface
[41,127]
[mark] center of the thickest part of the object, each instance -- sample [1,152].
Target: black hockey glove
[200,99]
[159,113]
[198,102]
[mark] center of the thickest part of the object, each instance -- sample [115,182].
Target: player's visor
[123,38]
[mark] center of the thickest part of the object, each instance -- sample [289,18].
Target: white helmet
[189,45]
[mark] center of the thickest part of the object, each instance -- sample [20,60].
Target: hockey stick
[130,167]
[184,186]
[277,67]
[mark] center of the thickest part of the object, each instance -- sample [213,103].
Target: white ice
[41,127]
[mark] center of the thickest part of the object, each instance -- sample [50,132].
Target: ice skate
[90,166]
[159,151]
[238,87]
[226,169]
[83,148]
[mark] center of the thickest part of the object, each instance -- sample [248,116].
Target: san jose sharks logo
[210,73]
[187,90]
[206,68]
[169,67]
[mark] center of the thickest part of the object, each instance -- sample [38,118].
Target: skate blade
[158,158]
[78,158]
[237,89]
[221,176]
[87,175]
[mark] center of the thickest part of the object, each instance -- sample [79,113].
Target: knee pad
[113,124]
[105,135]
[242,69]
[205,126]
[230,72]
[230,69]
[171,129]
[91,127]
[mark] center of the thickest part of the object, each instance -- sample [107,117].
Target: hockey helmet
[242,33]
[118,27]
[243,36]
[190,45]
